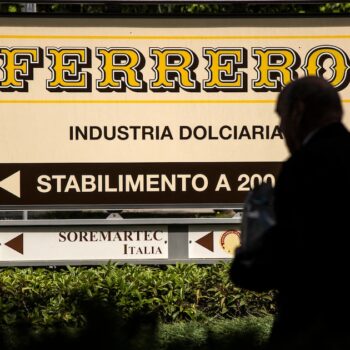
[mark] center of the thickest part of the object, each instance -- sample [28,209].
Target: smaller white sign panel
[124,243]
[212,242]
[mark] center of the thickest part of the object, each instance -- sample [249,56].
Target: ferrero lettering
[174,67]
[222,69]
[170,69]
[18,66]
[120,68]
[339,68]
[66,69]
[275,69]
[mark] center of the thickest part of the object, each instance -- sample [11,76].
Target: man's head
[304,106]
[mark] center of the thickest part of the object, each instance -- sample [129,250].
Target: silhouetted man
[305,255]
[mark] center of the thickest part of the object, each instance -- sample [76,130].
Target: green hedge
[239,334]
[106,331]
[45,297]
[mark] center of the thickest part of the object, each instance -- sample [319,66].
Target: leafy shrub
[242,333]
[46,297]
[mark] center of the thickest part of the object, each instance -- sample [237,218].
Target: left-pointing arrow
[207,241]
[12,184]
[16,243]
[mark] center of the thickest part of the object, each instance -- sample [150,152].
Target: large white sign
[87,105]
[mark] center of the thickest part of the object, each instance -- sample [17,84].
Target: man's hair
[319,98]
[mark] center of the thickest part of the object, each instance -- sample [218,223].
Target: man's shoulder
[328,151]
[332,136]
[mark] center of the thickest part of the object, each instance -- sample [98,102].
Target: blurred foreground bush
[46,297]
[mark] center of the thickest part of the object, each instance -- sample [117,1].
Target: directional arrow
[16,243]
[12,184]
[207,241]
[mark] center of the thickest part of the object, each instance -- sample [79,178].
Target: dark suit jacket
[306,255]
